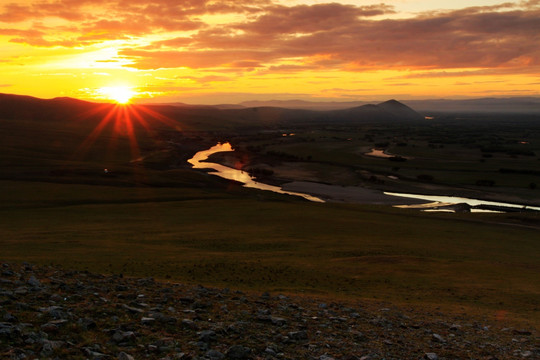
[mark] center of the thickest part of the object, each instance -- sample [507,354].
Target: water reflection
[437,201]
[198,162]
[433,202]
[378,153]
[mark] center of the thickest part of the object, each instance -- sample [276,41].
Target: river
[198,162]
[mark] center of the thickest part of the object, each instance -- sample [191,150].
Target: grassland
[155,218]
[278,244]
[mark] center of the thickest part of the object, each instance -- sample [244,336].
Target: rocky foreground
[49,313]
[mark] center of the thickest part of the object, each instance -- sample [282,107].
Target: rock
[214,355]
[298,335]
[86,324]
[9,331]
[94,355]
[358,336]
[431,356]
[50,328]
[278,321]
[148,321]
[238,352]
[325,357]
[162,318]
[125,356]
[132,309]
[56,312]
[522,332]
[34,282]
[120,336]
[437,338]
[207,336]
[189,324]
[55,298]
[526,354]
[10,318]
[49,347]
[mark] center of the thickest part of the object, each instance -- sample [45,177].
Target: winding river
[198,162]
[432,202]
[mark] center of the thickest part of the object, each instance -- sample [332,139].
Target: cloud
[467,73]
[337,36]
[279,38]
[206,79]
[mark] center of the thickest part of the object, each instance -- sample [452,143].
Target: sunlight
[120,94]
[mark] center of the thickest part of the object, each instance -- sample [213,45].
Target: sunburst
[121,94]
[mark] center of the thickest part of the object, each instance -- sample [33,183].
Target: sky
[228,51]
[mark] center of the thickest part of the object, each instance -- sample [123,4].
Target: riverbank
[51,312]
[226,163]
[348,194]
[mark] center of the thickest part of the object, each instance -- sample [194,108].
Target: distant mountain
[515,105]
[304,105]
[389,111]
[400,110]
[207,117]
[26,107]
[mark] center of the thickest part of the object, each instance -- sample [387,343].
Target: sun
[121,94]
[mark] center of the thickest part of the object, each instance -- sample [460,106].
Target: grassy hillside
[275,243]
[156,217]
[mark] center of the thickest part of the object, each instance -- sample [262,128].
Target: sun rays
[123,121]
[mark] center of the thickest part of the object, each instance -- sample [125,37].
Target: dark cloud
[322,36]
[340,36]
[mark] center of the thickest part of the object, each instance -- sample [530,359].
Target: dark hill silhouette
[204,117]
[31,108]
[400,110]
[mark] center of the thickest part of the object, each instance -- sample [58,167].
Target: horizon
[210,52]
[241,102]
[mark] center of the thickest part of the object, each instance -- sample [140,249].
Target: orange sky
[227,51]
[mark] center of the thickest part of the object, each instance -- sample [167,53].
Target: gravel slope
[50,313]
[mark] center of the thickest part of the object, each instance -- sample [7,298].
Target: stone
[125,356]
[148,321]
[86,324]
[238,352]
[49,347]
[431,356]
[278,321]
[120,336]
[50,328]
[298,335]
[325,357]
[10,318]
[34,282]
[188,324]
[132,309]
[437,338]
[9,331]
[214,355]
[207,336]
